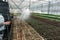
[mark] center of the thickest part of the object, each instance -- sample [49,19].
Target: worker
[2,26]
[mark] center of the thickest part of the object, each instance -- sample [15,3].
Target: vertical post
[42,8]
[29,3]
[48,7]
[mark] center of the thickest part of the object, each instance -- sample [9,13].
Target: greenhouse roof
[20,4]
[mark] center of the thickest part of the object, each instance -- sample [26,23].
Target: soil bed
[50,30]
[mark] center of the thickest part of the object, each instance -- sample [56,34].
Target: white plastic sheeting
[20,4]
[40,5]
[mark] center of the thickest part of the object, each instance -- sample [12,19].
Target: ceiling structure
[20,4]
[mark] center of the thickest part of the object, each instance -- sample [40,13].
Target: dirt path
[22,31]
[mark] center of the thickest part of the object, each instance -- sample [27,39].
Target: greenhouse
[29,19]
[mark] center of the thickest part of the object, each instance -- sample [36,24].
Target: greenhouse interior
[29,19]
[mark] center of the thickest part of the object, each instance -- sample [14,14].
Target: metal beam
[16,5]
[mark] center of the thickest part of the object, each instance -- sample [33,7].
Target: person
[2,26]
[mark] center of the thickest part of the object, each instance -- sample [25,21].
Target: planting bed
[49,29]
[48,18]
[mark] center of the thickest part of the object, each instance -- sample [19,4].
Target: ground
[48,31]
